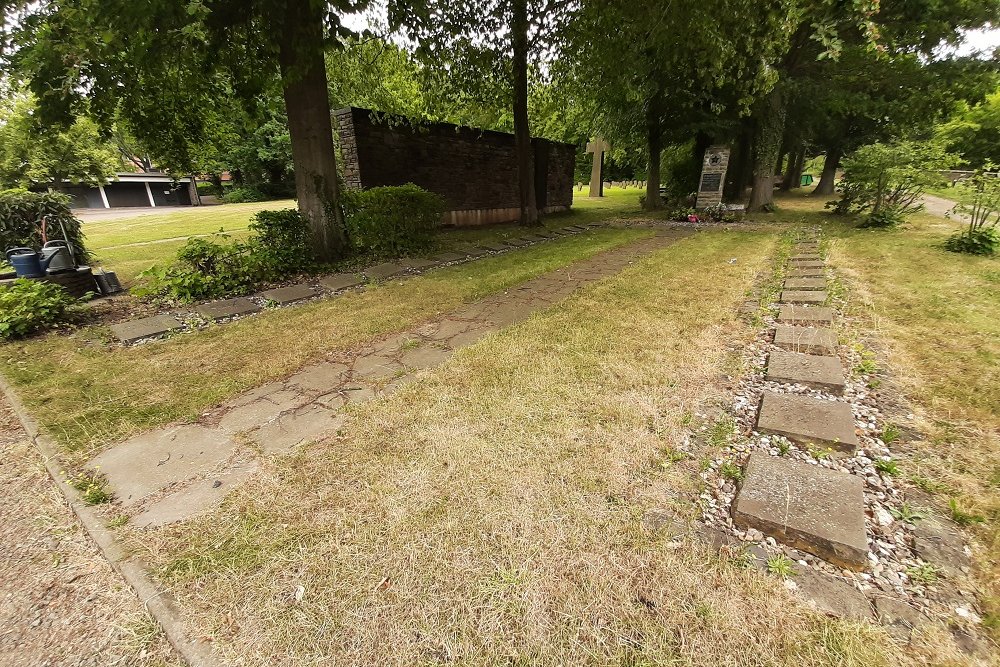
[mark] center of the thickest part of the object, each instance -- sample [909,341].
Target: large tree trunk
[830,163]
[741,170]
[770,125]
[793,172]
[522,132]
[303,80]
[800,165]
[654,139]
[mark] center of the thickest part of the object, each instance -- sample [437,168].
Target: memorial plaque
[711,182]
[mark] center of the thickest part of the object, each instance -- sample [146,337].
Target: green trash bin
[807,179]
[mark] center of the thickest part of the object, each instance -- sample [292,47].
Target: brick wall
[474,170]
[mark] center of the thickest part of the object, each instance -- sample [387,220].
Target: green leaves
[27,306]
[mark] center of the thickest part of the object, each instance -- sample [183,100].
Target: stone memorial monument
[598,147]
[713,176]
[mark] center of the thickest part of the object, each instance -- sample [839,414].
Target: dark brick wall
[470,168]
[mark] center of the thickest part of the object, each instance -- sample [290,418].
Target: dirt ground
[61,604]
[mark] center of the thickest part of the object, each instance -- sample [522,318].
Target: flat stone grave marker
[517,243]
[810,370]
[446,257]
[384,270]
[496,247]
[808,421]
[806,257]
[805,284]
[534,238]
[545,235]
[804,264]
[808,340]
[147,327]
[832,595]
[803,296]
[809,507]
[808,315]
[575,228]
[476,253]
[339,281]
[805,273]
[418,263]
[285,295]
[219,310]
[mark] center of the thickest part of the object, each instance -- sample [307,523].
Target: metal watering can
[56,257]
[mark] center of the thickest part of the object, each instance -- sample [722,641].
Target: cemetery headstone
[598,147]
[713,176]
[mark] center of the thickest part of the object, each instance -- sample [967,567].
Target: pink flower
[693,218]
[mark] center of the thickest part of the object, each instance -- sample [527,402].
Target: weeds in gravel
[722,431]
[731,471]
[925,573]
[890,434]
[780,566]
[887,466]
[907,514]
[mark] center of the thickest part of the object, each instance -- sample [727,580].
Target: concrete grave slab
[195,498]
[220,310]
[286,295]
[147,327]
[146,463]
[806,257]
[496,247]
[808,340]
[805,284]
[808,507]
[384,271]
[810,370]
[419,263]
[535,238]
[575,228]
[804,264]
[545,235]
[808,421]
[805,273]
[446,257]
[898,617]
[938,542]
[517,243]
[832,595]
[339,281]
[476,252]
[807,315]
[816,297]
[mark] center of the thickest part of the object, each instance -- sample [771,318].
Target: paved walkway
[179,471]
[937,205]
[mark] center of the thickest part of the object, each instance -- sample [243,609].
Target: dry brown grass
[60,602]
[490,514]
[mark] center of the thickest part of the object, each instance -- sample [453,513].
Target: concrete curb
[161,604]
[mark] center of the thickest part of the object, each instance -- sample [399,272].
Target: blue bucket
[26,263]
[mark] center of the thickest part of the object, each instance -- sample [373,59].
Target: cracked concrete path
[179,471]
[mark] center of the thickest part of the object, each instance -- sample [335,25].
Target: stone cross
[713,176]
[598,147]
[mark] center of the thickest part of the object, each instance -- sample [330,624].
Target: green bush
[241,195]
[392,220]
[982,213]
[885,182]
[205,269]
[21,215]
[208,190]
[27,306]
[282,240]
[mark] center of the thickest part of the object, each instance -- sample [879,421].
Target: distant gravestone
[598,147]
[713,176]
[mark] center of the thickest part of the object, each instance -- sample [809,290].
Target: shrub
[392,220]
[208,190]
[21,215]
[244,194]
[27,306]
[980,236]
[282,241]
[205,269]
[886,181]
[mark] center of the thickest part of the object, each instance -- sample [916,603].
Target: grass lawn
[491,513]
[129,246]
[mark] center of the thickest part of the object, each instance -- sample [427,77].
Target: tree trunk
[830,163]
[793,172]
[654,140]
[770,125]
[742,162]
[800,165]
[522,131]
[303,80]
